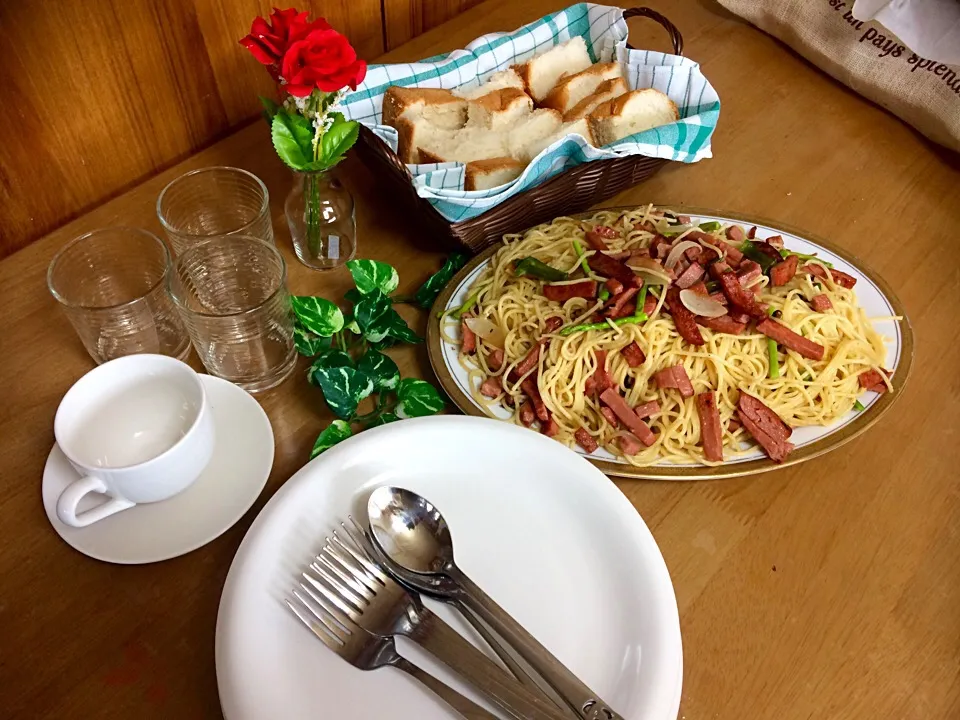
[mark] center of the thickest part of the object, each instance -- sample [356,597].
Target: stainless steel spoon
[413,534]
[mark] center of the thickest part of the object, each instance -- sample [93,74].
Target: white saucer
[241,463]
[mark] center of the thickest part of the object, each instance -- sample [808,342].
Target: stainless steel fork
[366,651]
[346,576]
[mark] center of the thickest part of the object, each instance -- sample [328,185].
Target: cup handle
[71,497]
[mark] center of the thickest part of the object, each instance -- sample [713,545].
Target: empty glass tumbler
[213,202]
[232,295]
[112,286]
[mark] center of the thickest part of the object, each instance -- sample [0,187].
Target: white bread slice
[542,72]
[464,145]
[486,174]
[441,107]
[578,127]
[605,92]
[412,133]
[526,137]
[632,113]
[574,88]
[508,78]
[498,109]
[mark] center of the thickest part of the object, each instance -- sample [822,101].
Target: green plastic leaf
[306,342]
[372,275]
[292,139]
[381,369]
[387,417]
[335,432]
[417,398]
[317,315]
[435,283]
[330,358]
[397,328]
[339,138]
[352,326]
[270,108]
[343,388]
[371,312]
[353,295]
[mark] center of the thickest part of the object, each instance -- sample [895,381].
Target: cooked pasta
[806,391]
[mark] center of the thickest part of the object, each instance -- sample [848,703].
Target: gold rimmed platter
[873,294]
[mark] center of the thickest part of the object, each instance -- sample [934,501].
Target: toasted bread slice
[574,88]
[441,107]
[605,92]
[541,73]
[498,109]
[508,78]
[526,137]
[464,145]
[634,112]
[486,174]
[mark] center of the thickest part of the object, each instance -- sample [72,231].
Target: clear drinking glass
[212,202]
[232,295]
[112,286]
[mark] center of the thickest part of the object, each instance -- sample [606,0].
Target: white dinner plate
[873,294]
[540,529]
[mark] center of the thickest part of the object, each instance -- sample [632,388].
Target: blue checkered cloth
[605,32]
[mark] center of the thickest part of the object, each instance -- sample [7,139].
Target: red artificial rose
[323,59]
[268,42]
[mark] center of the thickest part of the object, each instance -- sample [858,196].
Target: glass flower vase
[322,219]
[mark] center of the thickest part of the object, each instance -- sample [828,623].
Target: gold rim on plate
[864,421]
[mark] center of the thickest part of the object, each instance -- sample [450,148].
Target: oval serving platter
[873,294]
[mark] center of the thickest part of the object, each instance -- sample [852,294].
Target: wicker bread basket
[569,192]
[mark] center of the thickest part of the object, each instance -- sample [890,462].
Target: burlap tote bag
[866,57]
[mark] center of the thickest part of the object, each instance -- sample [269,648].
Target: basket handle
[675,37]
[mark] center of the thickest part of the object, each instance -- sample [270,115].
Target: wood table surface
[826,590]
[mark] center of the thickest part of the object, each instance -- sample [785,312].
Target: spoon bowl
[410,531]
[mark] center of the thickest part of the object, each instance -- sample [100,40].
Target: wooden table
[828,590]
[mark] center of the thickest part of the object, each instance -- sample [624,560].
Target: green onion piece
[641,300]
[631,320]
[604,294]
[710,226]
[578,248]
[538,269]
[467,306]
[772,353]
[859,406]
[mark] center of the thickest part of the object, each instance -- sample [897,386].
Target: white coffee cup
[138,429]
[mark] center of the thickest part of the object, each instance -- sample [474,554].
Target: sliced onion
[487,331]
[677,252]
[650,270]
[701,305]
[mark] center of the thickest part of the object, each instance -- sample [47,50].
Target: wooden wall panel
[98,94]
[405,19]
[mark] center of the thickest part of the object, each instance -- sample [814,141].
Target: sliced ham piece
[659,247]
[606,231]
[551,324]
[495,359]
[675,376]
[735,233]
[647,409]
[733,425]
[723,324]
[527,415]
[646,226]
[600,380]
[633,355]
[468,343]
[627,416]
[685,320]
[872,379]
[735,292]
[610,416]
[491,387]
[690,276]
[595,240]
[700,288]
[610,268]
[528,363]
[614,286]
[650,304]
[629,445]
[529,386]
[765,426]
[550,428]
[776,241]
[585,440]
[616,304]
[748,273]
[711,434]
[840,278]
[821,303]
[784,272]
[789,339]
[561,293]
[752,233]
